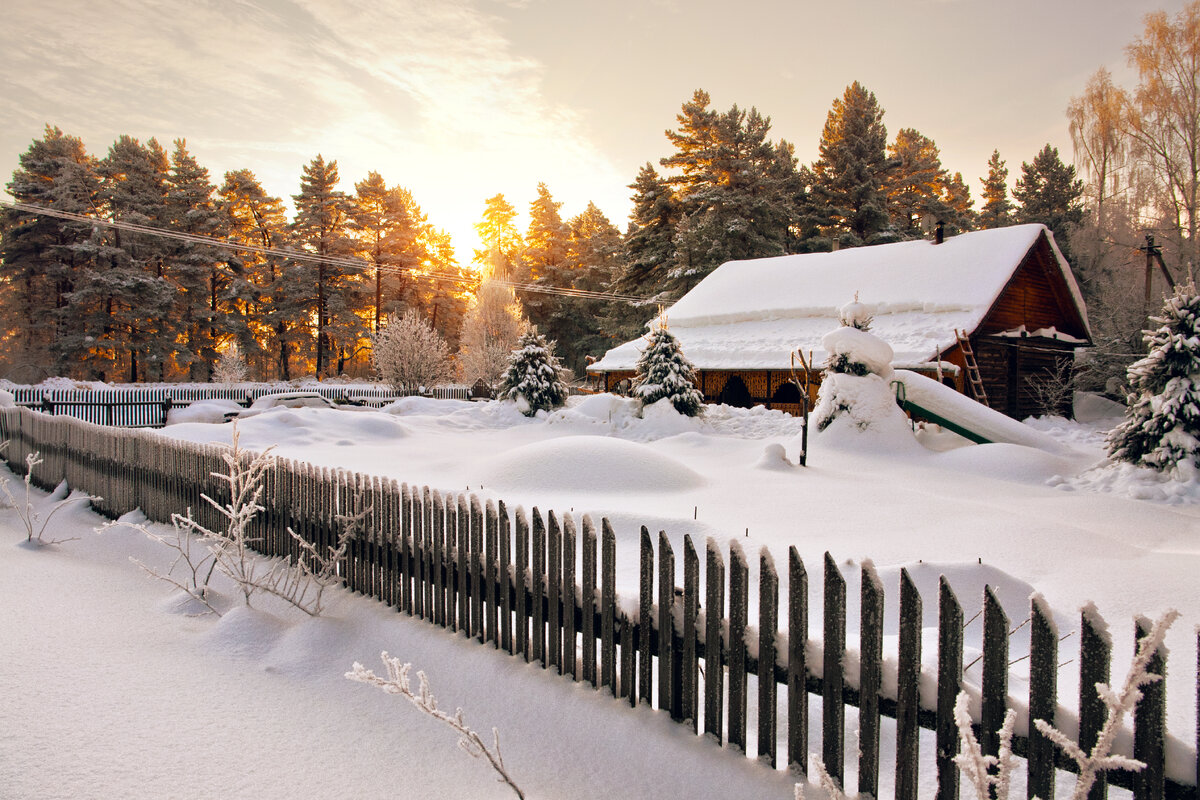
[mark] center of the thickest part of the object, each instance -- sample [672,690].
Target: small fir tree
[1162,422]
[852,315]
[664,372]
[533,379]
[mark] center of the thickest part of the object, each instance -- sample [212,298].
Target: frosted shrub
[533,379]
[409,354]
[230,367]
[32,520]
[664,373]
[397,683]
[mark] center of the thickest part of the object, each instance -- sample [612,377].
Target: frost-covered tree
[848,359]
[408,353]
[230,367]
[857,370]
[1162,422]
[533,379]
[490,331]
[664,372]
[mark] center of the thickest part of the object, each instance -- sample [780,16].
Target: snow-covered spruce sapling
[397,682]
[533,379]
[976,767]
[1162,422]
[664,373]
[856,371]
[32,520]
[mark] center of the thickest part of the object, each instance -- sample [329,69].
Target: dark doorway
[735,394]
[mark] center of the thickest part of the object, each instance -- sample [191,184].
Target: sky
[458,100]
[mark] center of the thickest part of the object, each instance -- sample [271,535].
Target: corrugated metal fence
[542,587]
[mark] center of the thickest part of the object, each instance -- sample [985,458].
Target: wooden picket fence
[542,587]
[148,406]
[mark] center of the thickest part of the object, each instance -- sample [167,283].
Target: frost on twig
[32,520]
[977,768]
[201,551]
[397,682]
[826,781]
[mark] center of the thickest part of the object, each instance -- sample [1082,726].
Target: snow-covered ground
[103,671]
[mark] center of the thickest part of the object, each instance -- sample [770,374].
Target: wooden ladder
[973,378]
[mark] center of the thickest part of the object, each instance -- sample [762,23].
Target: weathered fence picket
[448,558]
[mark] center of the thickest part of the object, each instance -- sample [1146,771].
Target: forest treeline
[94,301]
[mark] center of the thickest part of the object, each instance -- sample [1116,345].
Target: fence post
[768,627]
[667,689]
[739,584]
[475,557]
[645,624]
[797,667]
[588,603]
[554,590]
[950,670]
[491,581]
[538,569]
[691,603]
[568,598]
[908,691]
[995,673]
[1149,724]
[714,616]
[869,679]
[1043,696]
[522,638]
[608,604]
[833,709]
[506,577]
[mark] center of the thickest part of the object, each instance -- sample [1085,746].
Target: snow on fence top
[755,313]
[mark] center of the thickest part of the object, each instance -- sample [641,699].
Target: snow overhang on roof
[754,314]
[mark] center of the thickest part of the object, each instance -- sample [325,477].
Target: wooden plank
[523,612]
[1150,725]
[768,627]
[666,628]
[950,672]
[438,559]
[475,559]
[506,578]
[406,549]
[1043,696]
[569,587]
[797,666]
[629,676]
[908,691]
[870,676]
[491,582]
[462,564]
[554,591]
[538,570]
[427,561]
[739,587]
[588,602]
[833,709]
[645,625]
[608,606]
[714,617]
[689,663]
[995,673]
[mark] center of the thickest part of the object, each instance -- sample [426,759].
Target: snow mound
[1131,480]
[774,457]
[425,406]
[7,400]
[204,411]
[859,347]
[372,428]
[1009,462]
[588,463]
[860,413]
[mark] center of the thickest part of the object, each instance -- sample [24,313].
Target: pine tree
[500,255]
[44,258]
[849,175]
[193,268]
[1162,421]
[956,199]
[997,211]
[664,372]
[446,295]
[1050,193]
[321,226]
[545,262]
[533,379]
[261,301]
[915,187]
[650,240]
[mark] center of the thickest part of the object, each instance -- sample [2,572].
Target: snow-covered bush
[397,682]
[230,367]
[1162,423]
[533,379]
[408,353]
[855,384]
[27,512]
[664,373]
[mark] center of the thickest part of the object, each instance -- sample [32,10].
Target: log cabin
[1004,299]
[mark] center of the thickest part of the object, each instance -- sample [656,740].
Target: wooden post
[588,603]
[475,559]
[666,628]
[797,667]
[908,691]
[1095,660]
[538,570]
[554,590]
[768,627]
[1150,725]
[689,663]
[833,708]
[739,583]
[569,585]
[1043,696]
[995,673]
[462,565]
[523,610]
[870,673]
[491,581]
[608,606]
[645,623]
[629,678]
[714,616]
[506,578]
[950,671]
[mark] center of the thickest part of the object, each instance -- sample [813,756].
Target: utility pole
[1154,253]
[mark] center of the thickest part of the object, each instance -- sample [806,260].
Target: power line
[299,255]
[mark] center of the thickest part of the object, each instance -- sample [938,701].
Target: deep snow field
[115,688]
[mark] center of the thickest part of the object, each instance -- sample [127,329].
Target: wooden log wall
[446,558]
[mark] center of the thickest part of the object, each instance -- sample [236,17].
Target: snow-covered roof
[754,314]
